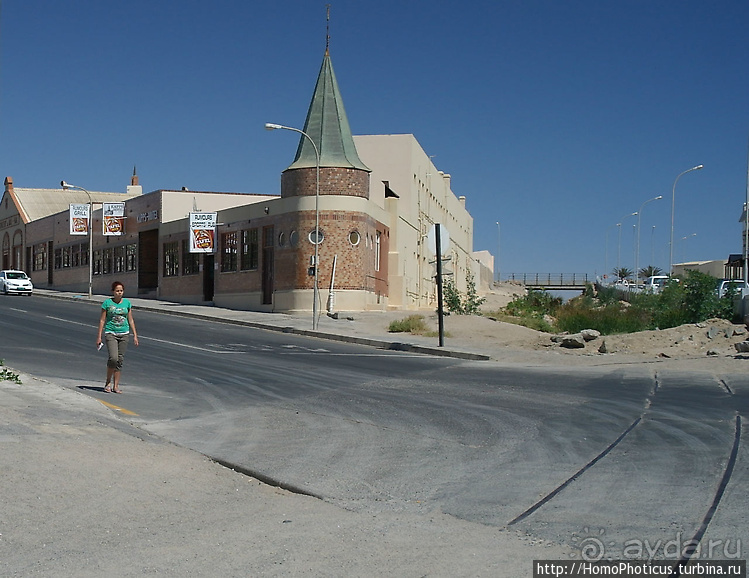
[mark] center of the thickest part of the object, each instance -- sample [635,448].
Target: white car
[736,284]
[15,282]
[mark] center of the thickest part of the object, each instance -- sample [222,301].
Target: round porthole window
[293,238]
[281,240]
[354,238]
[316,237]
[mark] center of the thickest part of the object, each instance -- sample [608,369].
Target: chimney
[9,185]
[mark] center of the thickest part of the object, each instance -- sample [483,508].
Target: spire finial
[327,30]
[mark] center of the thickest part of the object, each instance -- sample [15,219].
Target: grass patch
[415,325]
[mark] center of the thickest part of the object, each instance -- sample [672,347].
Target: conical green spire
[328,126]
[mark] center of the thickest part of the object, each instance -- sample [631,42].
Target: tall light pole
[652,246]
[499,246]
[639,215]
[315,291]
[65,186]
[673,203]
[619,254]
[606,258]
[684,239]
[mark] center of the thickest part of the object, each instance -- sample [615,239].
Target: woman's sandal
[107,388]
[117,390]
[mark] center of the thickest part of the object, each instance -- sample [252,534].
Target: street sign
[444,239]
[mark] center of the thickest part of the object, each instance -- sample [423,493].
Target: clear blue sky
[556,118]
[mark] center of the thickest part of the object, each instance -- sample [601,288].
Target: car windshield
[15,275]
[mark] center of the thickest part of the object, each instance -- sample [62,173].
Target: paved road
[612,459]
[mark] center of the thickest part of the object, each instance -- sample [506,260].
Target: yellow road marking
[118,408]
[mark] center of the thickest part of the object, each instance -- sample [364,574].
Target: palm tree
[622,273]
[650,271]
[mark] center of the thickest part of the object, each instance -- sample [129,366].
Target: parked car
[736,284]
[655,284]
[15,282]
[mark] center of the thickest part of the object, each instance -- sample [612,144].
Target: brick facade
[333,181]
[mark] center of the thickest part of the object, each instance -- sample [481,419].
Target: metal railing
[571,280]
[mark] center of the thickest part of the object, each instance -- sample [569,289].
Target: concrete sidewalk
[86,494]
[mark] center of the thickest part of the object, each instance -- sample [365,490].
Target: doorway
[208,276]
[148,261]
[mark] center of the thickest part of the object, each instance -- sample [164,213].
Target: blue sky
[555,118]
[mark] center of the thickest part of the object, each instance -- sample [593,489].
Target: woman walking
[116,323]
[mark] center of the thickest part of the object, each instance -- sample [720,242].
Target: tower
[351,237]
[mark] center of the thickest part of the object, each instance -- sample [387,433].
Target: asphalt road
[606,460]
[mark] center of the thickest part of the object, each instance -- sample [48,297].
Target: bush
[411,324]
[608,320]
[531,310]
[454,302]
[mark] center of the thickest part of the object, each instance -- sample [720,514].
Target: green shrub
[451,299]
[454,302]
[7,375]
[608,320]
[412,324]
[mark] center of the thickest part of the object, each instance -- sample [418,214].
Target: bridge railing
[552,279]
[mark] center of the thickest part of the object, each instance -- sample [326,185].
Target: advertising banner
[113,222]
[79,219]
[202,232]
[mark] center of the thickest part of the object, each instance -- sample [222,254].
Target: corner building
[371,241]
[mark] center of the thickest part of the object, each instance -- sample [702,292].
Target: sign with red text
[113,221]
[202,232]
[79,218]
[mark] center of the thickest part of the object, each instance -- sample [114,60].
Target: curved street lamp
[637,255]
[65,186]
[315,291]
[673,200]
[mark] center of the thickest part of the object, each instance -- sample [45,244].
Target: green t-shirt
[116,316]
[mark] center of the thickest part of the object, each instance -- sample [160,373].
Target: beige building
[379,196]
[416,196]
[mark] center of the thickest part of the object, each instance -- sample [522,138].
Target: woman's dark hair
[116,283]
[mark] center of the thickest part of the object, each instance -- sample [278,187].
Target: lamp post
[619,254]
[499,237]
[606,258]
[652,246]
[637,255]
[673,202]
[315,290]
[65,186]
[684,239]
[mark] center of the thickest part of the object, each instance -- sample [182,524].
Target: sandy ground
[709,345]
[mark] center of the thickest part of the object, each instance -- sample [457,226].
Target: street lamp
[499,237]
[272,126]
[684,239]
[65,186]
[606,258]
[637,255]
[673,202]
[619,254]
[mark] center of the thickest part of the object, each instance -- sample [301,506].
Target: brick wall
[333,181]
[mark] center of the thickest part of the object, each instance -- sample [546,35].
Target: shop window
[131,251]
[119,259]
[190,261]
[228,252]
[250,249]
[171,259]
